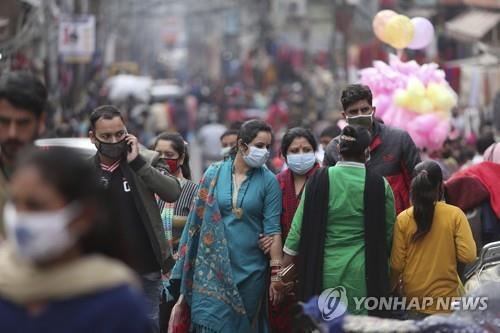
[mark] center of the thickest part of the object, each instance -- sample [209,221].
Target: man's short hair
[24,91]
[227,133]
[355,93]
[331,132]
[486,140]
[104,112]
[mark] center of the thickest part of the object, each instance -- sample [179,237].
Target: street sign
[77,38]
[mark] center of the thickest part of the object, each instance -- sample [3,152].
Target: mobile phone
[129,147]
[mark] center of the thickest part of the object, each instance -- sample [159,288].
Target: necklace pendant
[238,213]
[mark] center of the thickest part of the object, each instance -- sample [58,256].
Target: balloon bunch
[413,97]
[421,99]
[401,32]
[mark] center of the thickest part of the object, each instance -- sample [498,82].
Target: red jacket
[393,156]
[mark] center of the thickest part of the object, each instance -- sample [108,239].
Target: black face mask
[112,150]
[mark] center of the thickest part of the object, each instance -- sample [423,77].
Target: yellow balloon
[425,106]
[413,104]
[441,96]
[415,88]
[446,101]
[379,22]
[420,105]
[401,98]
[432,92]
[399,31]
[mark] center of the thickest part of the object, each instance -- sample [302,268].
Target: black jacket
[145,181]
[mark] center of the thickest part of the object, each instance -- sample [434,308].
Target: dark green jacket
[145,181]
[3,199]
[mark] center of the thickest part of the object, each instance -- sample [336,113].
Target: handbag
[180,318]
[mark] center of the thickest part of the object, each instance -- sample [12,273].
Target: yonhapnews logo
[333,303]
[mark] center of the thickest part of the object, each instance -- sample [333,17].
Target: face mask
[363,120]
[40,237]
[225,151]
[256,157]
[320,154]
[173,164]
[112,150]
[301,163]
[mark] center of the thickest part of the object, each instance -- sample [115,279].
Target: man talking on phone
[132,181]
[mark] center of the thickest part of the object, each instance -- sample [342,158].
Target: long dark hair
[354,140]
[425,190]
[180,147]
[76,180]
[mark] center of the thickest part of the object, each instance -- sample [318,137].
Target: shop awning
[428,13]
[483,3]
[472,25]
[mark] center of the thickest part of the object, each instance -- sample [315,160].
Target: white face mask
[301,163]
[320,154]
[256,157]
[225,151]
[40,237]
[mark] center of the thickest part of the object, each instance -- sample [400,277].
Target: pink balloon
[439,135]
[429,131]
[424,32]
[389,115]
[382,103]
[402,118]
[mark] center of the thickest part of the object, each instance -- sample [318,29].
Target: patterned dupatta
[204,266]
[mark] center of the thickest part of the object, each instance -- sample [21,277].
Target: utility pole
[333,40]
[79,68]
[51,45]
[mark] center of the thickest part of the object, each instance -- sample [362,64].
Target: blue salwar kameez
[227,285]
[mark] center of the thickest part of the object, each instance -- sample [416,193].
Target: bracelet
[275,262]
[275,278]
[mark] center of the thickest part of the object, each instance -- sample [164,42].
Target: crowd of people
[125,241]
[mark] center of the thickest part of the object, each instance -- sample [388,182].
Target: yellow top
[428,267]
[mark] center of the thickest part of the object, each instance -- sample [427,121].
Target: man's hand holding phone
[133,147]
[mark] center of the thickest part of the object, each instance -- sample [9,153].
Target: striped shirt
[184,203]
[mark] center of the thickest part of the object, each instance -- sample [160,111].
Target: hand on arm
[265,243]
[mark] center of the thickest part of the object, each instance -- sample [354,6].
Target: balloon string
[400,53]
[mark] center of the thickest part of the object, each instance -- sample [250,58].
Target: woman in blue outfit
[61,267]
[224,274]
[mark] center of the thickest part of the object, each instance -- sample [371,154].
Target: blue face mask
[301,163]
[256,157]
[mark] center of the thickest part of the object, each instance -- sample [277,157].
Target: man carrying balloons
[393,153]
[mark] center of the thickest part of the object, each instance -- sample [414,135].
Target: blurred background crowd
[184,65]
